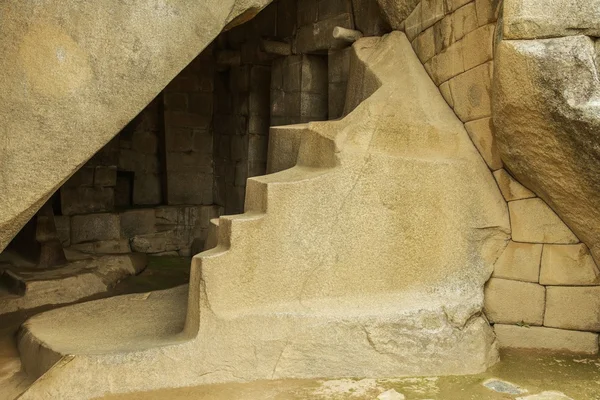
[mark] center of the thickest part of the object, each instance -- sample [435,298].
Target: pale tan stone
[537,19]
[472,92]
[424,45]
[534,222]
[568,264]
[305,261]
[549,148]
[464,20]
[487,11]
[94,227]
[513,302]
[537,337]
[431,12]
[573,308]
[481,133]
[445,89]
[510,188]
[519,261]
[447,64]
[413,25]
[452,5]
[478,46]
[442,34]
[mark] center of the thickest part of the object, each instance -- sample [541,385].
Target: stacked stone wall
[544,290]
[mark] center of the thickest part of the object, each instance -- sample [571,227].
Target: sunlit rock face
[547,115]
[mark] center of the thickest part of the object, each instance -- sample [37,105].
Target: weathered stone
[431,12]
[368,18]
[447,64]
[481,132]
[137,222]
[319,35]
[63,229]
[487,11]
[519,261]
[156,242]
[452,5]
[537,19]
[510,188]
[537,337]
[464,20]
[84,176]
[546,118]
[442,34]
[117,246]
[478,46]
[395,12]
[573,308]
[94,227]
[147,189]
[412,25]
[568,265]
[534,222]
[546,395]
[424,45]
[513,302]
[83,199]
[472,92]
[105,176]
[391,395]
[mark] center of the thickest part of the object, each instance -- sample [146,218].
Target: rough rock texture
[368,258]
[537,337]
[510,188]
[533,221]
[573,308]
[536,19]
[519,261]
[73,74]
[568,265]
[396,11]
[512,302]
[72,282]
[547,118]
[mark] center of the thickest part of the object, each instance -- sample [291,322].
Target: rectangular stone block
[481,132]
[338,65]
[105,176]
[478,46]
[147,189]
[442,34]
[519,261]
[314,106]
[564,264]
[487,11]
[314,74]
[452,5]
[513,302]
[446,93]
[424,45]
[431,12]
[137,222]
[63,229]
[576,308]
[447,64]
[336,99]
[510,188]
[120,246]
[95,227]
[464,20]
[472,92]
[189,188]
[537,337]
[533,221]
[84,200]
[144,142]
[84,176]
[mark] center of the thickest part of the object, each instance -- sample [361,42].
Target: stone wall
[544,289]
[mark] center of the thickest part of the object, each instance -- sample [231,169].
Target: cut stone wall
[188,109]
[544,290]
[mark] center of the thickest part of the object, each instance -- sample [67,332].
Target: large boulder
[547,116]
[74,73]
